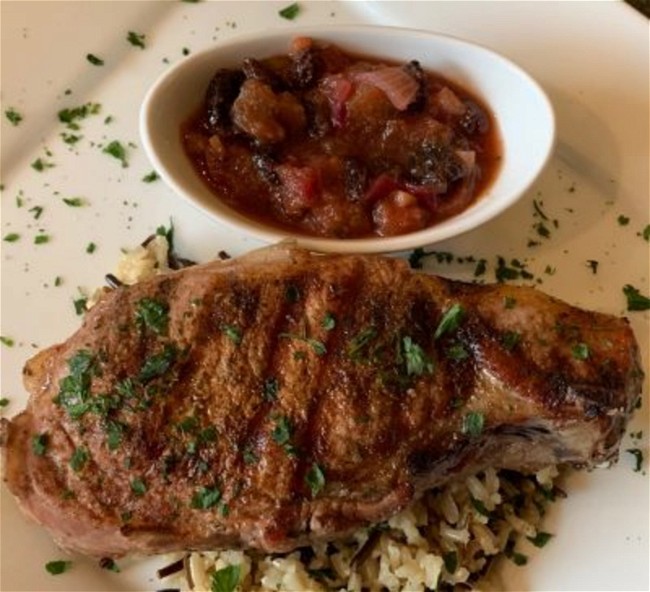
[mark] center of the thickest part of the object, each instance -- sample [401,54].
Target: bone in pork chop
[285,397]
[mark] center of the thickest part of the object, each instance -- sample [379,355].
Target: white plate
[592,58]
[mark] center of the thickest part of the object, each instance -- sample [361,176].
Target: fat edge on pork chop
[285,397]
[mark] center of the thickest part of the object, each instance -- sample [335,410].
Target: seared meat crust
[285,397]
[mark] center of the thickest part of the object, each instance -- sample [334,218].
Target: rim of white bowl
[469,219]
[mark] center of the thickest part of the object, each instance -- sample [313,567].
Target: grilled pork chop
[286,397]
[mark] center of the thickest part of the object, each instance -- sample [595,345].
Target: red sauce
[325,143]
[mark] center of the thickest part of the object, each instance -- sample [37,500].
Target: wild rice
[452,537]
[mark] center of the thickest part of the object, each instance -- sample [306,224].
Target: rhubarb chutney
[324,143]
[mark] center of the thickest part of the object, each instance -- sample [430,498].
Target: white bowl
[520,107]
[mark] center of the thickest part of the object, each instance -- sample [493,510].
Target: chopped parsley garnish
[510,339]
[136,39]
[40,165]
[473,424]
[540,539]
[80,305]
[635,300]
[91,248]
[70,138]
[451,561]
[315,478]
[12,237]
[270,389]
[417,361]
[74,389]
[168,233]
[205,498]
[318,347]
[114,433]
[79,459]
[450,320]
[623,220]
[73,202]
[4,401]
[71,115]
[517,558]
[360,341]
[457,352]
[282,433]
[152,314]
[157,364]
[329,321]
[250,458]
[94,60]
[13,116]
[116,150]
[39,444]
[290,12]
[41,239]
[188,424]
[503,272]
[225,579]
[57,567]
[8,341]
[150,177]
[36,211]
[138,486]
[233,333]
[481,267]
[415,258]
[638,457]
[479,506]
[580,351]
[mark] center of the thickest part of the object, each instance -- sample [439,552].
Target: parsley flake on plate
[150,177]
[94,60]
[136,39]
[635,300]
[40,165]
[13,116]
[57,567]
[73,202]
[116,150]
[290,12]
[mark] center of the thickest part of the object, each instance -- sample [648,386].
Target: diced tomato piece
[300,188]
[399,213]
[380,188]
